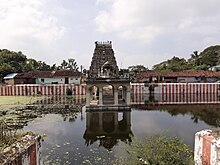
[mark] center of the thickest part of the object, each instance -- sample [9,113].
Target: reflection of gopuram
[108,128]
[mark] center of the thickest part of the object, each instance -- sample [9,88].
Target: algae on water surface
[9,102]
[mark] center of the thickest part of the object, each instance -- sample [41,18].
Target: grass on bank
[9,102]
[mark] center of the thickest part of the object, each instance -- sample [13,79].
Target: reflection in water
[68,106]
[63,100]
[112,130]
[173,98]
[108,128]
[209,113]
[200,106]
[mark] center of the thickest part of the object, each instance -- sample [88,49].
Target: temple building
[103,61]
[104,88]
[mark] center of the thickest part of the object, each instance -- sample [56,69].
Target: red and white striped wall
[207,147]
[178,88]
[138,88]
[182,88]
[46,90]
[176,93]
[138,98]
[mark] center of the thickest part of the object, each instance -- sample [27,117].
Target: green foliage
[32,64]
[5,69]
[175,64]
[159,150]
[63,65]
[198,61]
[196,112]
[11,62]
[151,87]
[134,69]
[17,62]
[210,56]
[69,91]
[207,58]
[70,65]
[137,68]
[43,66]
[194,60]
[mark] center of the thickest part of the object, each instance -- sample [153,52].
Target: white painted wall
[212,79]
[188,79]
[59,80]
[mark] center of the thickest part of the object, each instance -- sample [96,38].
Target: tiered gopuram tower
[103,61]
[104,88]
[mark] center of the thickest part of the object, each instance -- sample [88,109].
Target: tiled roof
[35,74]
[41,74]
[48,74]
[194,73]
[70,73]
[147,74]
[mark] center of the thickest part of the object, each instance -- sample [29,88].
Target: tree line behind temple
[197,61]
[17,62]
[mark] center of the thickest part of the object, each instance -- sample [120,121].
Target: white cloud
[24,24]
[142,31]
[146,34]
[146,20]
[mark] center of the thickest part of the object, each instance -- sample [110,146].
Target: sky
[143,32]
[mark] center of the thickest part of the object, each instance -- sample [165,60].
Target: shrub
[158,150]
[39,93]
[69,91]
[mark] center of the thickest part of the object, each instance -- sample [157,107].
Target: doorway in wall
[66,80]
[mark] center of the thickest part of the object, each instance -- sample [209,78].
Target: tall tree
[11,62]
[43,66]
[30,64]
[53,67]
[72,65]
[63,65]
[195,59]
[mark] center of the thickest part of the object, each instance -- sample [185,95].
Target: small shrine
[104,88]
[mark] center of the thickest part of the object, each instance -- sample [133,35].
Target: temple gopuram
[103,61]
[104,88]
